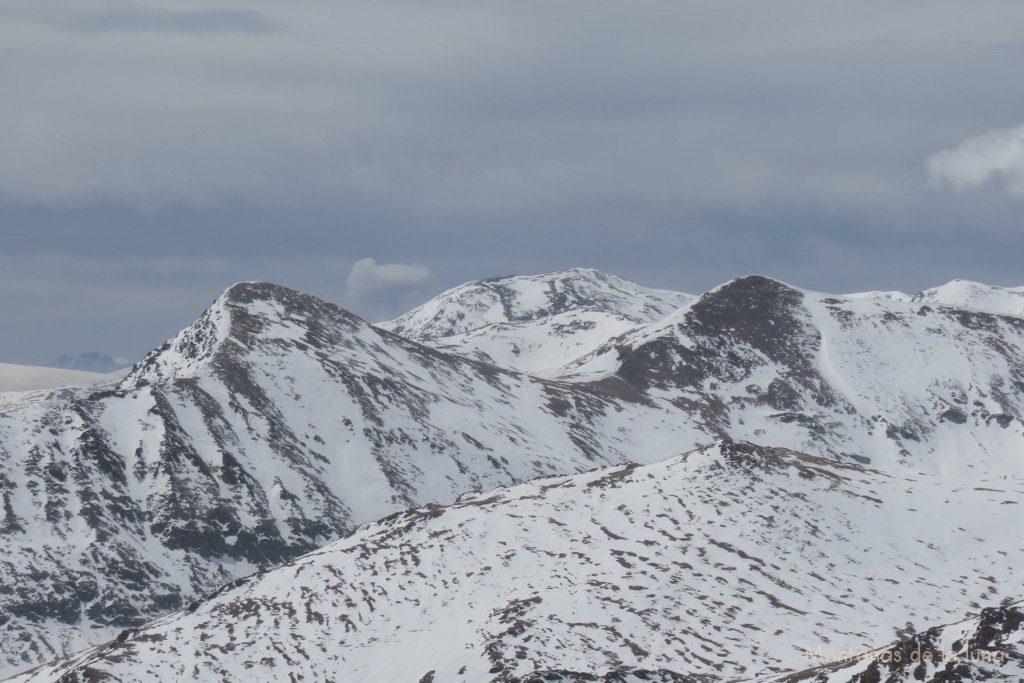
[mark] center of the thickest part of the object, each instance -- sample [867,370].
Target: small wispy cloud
[368,278]
[997,154]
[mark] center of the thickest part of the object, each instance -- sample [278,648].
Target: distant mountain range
[90,362]
[854,464]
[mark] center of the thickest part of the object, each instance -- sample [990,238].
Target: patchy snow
[279,422]
[727,562]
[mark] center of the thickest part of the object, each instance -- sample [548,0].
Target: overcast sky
[376,152]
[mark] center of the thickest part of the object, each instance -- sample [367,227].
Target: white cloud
[995,154]
[368,278]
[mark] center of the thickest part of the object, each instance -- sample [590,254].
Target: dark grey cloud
[679,144]
[138,17]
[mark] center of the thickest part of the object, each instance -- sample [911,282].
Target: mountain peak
[764,316]
[247,314]
[538,324]
[529,298]
[251,291]
[976,296]
[568,273]
[746,301]
[754,283]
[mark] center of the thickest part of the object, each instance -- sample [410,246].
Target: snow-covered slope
[272,425]
[975,296]
[727,562]
[897,384]
[278,422]
[891,295]
[964,294]
[31,378]
[537,323]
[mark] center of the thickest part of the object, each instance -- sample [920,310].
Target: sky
[377,152]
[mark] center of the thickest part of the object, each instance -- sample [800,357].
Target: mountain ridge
[535,324]
[714,565]
[273,424]
[278,422]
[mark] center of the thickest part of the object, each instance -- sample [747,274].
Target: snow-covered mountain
[279,422]
[274,424]
[896,384]
[964,294]
[892,381]
[975,296]
[536,324]
[727,562]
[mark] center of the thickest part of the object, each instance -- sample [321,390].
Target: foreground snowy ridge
[729,562]
[279,422]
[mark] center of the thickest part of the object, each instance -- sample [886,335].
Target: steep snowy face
[729,562]
[897,384]
[191,350]
[975,296]
[274,424]
[535,324]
